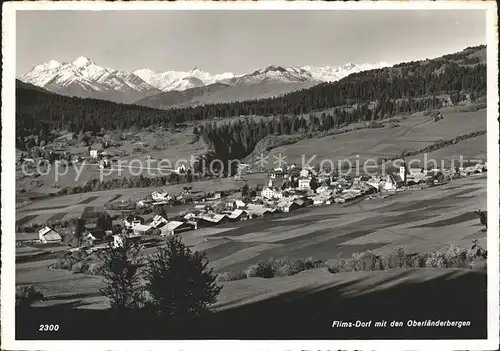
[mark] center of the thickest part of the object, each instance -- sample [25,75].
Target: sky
[242,41]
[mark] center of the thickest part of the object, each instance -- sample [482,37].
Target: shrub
[67,260]
[478,265]
[27,295]
[366,261]
[274,268]
[339,266]
[78,267]
[396,259]
[262,270]
[417,261]
[285,270]
[95,269]
[231,276]
[448,257]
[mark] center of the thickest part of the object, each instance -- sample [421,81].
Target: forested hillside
[375,94]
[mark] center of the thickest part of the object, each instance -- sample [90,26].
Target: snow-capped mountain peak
[84,78]
[83,61]
[272,68]
[334,73]
[180,80]
[194,70]
[47,65]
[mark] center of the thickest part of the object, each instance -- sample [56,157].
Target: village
[288,189]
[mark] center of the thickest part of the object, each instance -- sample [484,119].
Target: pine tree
[121,272]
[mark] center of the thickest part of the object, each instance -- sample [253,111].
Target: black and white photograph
[206,171]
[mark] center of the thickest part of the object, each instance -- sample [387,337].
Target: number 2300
[49,327]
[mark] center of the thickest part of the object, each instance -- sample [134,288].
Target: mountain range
[365,96]
[84,78]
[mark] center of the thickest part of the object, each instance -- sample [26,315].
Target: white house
[267,193]
[105,163]
[131,221]
[270,193]
[142,203]
[416,172]
[181,169]
[94,153]
[141,229]
[98,235]
[161,196]
[119,239]
[48,235]
[390,183]
[304,183]
[304,173]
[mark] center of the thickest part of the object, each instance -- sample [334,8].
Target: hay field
[419,221]
[414,133]
[72,206]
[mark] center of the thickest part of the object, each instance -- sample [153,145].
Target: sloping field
[58,285]
[414,133]
[419,221]
[72,206]
[302,307]
[174,146]
[320,298]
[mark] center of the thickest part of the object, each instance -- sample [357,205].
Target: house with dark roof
[48,235]
[238,215]
[131,220]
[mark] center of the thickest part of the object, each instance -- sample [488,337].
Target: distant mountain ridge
[84,78]
[268,82]
[179,80]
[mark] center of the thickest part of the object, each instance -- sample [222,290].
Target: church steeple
[403,171]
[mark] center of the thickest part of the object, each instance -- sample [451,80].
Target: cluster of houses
[322,188]
[286,191]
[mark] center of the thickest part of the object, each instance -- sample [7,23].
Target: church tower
[403,171]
